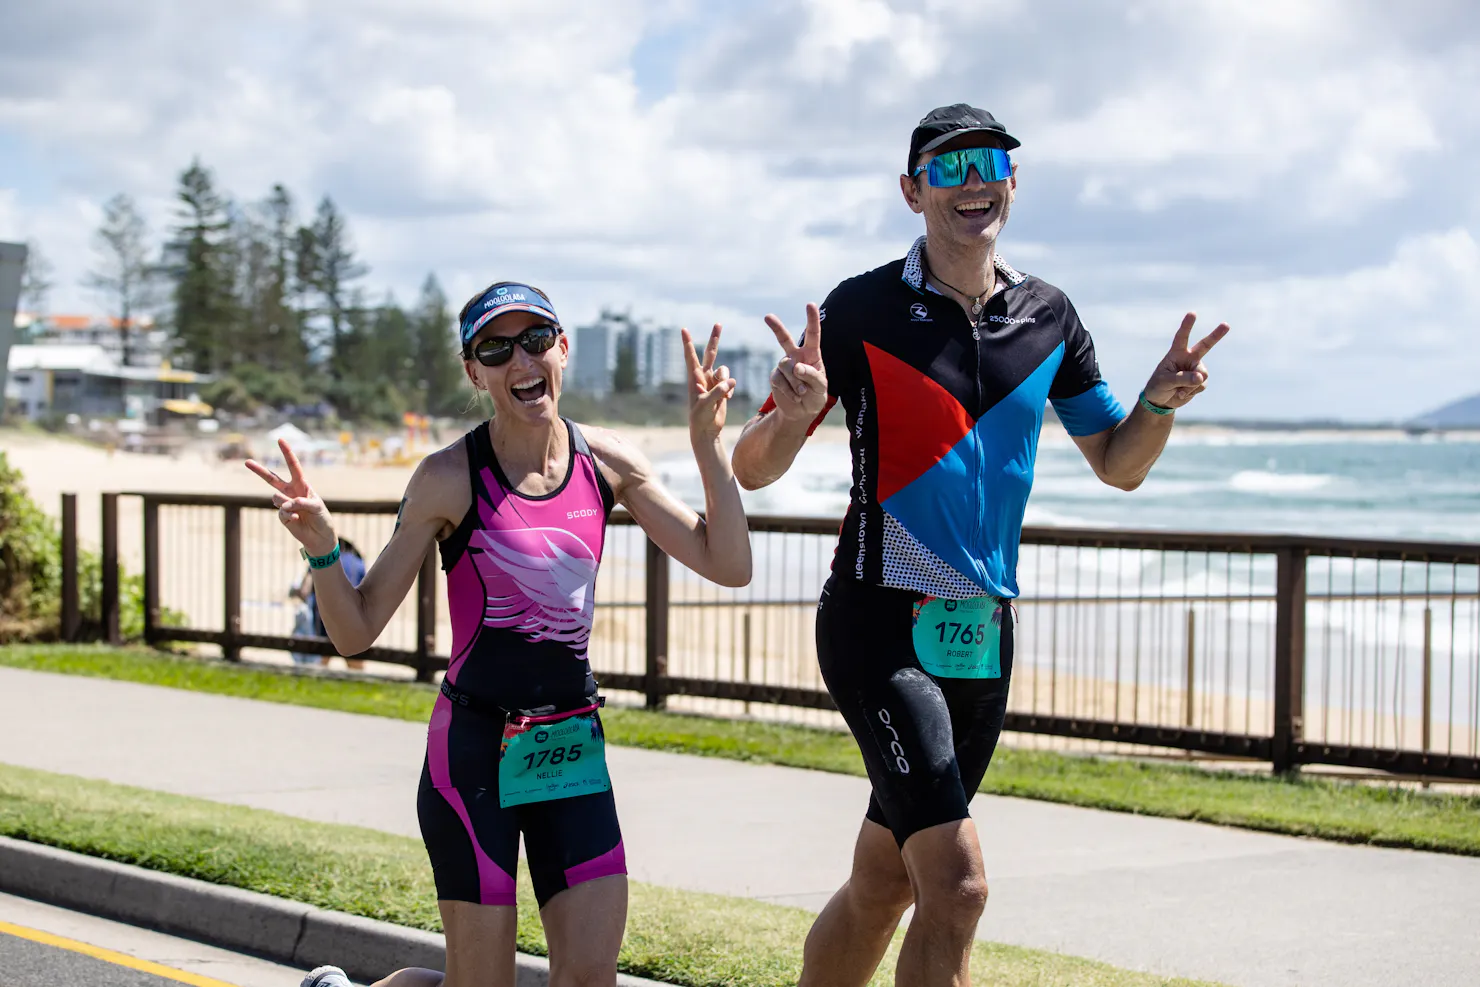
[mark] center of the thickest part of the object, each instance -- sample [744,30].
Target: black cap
[945,122]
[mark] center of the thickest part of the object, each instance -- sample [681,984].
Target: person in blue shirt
[308,623]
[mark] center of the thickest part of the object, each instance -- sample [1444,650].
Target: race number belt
[552,756]
[959,639]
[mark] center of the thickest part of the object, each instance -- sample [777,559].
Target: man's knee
[877,887]
[956,898]
[945,866]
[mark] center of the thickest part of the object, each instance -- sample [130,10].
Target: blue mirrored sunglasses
[949,170]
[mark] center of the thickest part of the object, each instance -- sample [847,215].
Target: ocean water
[1379,485]
[1369,624]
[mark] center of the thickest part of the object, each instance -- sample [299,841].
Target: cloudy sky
[1302,169]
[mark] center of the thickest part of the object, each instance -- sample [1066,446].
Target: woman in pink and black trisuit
[518,508]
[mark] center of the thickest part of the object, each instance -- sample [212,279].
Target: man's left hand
[1181,376]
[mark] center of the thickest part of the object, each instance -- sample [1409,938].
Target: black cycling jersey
[943,421]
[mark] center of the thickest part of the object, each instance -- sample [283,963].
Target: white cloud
[1378,343]
[1259,161]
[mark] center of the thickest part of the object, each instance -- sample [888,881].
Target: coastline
[54,464]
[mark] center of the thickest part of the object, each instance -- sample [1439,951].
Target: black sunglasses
[497,350]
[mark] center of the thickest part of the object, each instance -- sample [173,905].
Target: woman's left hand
[710,388]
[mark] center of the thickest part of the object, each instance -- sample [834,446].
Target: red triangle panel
[919,421]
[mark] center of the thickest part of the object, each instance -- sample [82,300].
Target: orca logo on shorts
[894,746]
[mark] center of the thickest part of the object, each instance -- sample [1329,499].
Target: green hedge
[31,572]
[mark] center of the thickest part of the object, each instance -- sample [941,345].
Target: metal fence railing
[1287,649]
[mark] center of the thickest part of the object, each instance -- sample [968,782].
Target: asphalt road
[45,946]
[1170,897]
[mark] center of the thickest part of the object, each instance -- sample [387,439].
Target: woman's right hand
[300,509]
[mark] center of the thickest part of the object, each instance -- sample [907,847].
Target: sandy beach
[53,465]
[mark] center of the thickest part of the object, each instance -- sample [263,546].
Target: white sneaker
[326,976]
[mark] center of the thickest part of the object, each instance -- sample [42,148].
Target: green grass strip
[1343,811]
[684,937]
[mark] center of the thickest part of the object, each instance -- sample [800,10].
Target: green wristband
[1155,409]
[321,561]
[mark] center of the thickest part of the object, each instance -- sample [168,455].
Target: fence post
[112,632]
[426,616]
[232,618]
[151,571]
[747,658]
[1428,676]
[71,607]
[657,625]
[1189,704]
[1289,658]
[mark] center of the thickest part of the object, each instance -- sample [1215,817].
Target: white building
[592,358]
[752,371]
[60,379]
[657,354]
[147,344]
[660,359]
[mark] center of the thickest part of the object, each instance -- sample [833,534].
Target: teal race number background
[960,639]
[545,761]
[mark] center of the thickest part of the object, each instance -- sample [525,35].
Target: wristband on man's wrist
[320,561]
[1155,409]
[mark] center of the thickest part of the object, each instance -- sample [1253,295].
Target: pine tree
[437,374]
[334,268]
[625,373]
[201,263]
[124,277]
[284,332]
[36,280]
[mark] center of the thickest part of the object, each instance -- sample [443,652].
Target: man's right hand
[799,382]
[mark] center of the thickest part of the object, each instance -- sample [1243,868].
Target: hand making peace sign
[709,389]
[799,382]
[1180,376]
[300,509]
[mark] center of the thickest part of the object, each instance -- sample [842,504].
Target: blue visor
[949,170]
[503,298]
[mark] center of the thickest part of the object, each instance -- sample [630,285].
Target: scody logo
[919,313]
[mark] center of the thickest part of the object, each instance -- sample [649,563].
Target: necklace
[976,301]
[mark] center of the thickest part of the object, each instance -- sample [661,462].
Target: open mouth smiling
[530,390]
[975,208]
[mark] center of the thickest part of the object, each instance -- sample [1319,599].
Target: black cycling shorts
[926,741]
[473,842]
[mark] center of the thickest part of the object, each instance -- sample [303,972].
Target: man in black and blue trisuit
[943,362]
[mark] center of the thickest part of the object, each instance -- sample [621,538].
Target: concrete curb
[274,928]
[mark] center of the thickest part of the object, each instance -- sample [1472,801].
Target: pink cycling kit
[521,581]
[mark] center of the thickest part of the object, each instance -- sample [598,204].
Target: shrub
[31,573]
[30,558]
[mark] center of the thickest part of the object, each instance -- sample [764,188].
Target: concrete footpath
[1169,897]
